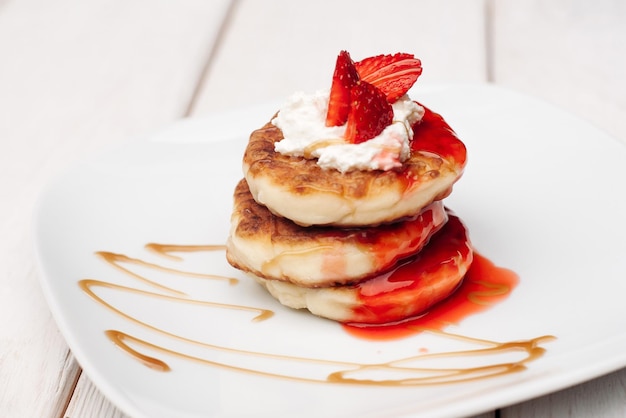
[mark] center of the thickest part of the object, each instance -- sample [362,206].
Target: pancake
[416,285]
[275,248]
[298,189]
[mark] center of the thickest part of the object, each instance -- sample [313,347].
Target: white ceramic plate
[542,195]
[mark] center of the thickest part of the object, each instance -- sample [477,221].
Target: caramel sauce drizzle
[348,373]
[495,289]
[398,372]
[87,286]
[166,250]
[431,376]
[115,260]
[322,143]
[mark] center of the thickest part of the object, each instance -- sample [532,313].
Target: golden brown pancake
[416,285]
[298,189]
[275,248]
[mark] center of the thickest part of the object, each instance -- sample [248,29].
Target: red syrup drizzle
[483,286]
[387,243]
[417,283]
[433,134]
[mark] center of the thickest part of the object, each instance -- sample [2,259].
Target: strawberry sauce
[389,243]
[433,134]
[419,282]
[483,286]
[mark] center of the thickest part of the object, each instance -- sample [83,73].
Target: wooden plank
[89,402]
[276,47]
[569,53]
[76,77]
[603,397]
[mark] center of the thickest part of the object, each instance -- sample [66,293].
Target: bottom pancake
[406,291]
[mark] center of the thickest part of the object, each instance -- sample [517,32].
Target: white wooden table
[78,77]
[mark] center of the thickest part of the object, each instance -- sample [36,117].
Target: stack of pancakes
[332,242]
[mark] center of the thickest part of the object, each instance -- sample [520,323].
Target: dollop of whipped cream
[302,120]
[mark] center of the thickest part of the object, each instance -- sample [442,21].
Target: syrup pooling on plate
[412,370]
[484,285]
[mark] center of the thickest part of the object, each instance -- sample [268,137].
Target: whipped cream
[302,120]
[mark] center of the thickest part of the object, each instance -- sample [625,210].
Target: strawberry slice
[370,113]
[394,74]
[344,78]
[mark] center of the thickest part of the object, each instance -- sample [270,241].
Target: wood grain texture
[275,47]
[76,77]
[570,53]
[89,402]
[604,397]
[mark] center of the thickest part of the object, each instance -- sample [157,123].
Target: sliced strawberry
[394,74]
[344,78]
[370,113]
